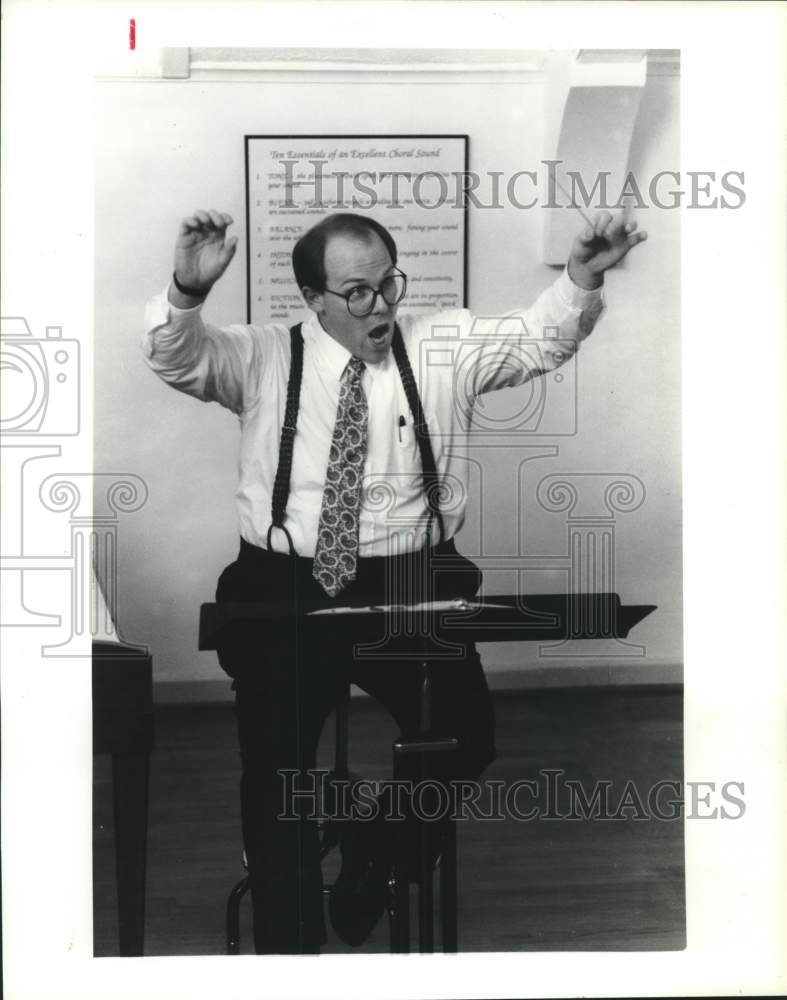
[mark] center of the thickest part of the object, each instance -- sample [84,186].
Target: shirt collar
[332,356]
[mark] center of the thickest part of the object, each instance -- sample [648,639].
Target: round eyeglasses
[362,299]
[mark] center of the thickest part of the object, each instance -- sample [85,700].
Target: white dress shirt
[455,357]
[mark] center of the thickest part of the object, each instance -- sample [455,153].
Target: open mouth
[378,334]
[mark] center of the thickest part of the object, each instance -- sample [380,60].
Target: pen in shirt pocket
[402,423]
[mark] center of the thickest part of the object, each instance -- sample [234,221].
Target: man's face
[350,261]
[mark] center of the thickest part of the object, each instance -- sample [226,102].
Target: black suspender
[281,484]
[430,478]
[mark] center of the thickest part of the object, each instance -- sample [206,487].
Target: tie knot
[354,367]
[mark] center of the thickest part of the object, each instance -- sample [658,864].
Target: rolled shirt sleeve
[207,362]
[503,351]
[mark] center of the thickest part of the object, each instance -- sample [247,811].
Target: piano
[123,727]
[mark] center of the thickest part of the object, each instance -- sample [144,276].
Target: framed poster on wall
[414,185]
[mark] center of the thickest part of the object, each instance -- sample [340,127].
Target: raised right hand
[202,252]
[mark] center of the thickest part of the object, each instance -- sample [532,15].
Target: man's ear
[314,300]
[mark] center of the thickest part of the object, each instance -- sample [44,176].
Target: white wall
[165,148]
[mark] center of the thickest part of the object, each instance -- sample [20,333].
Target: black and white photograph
[355,244]
[370,517]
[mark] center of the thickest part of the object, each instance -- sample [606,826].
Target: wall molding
[368,66]
[338,72]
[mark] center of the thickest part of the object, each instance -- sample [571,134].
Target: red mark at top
[132,33]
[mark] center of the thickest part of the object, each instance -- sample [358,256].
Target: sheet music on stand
[456,604]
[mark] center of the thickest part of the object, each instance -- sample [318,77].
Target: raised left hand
[600,247]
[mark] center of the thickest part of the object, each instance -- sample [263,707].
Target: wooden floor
[541,885]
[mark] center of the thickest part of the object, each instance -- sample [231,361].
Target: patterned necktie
[336,555]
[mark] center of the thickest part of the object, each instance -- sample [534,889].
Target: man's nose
[381,307]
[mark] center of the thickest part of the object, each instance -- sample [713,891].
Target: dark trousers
[284,694]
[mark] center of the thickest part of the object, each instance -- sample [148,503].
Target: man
[334,415]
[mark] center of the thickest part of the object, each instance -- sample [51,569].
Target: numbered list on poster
[413,187]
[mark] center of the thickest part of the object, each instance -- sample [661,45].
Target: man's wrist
[583,277]
[189,291]
[184,297]
[182,301]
